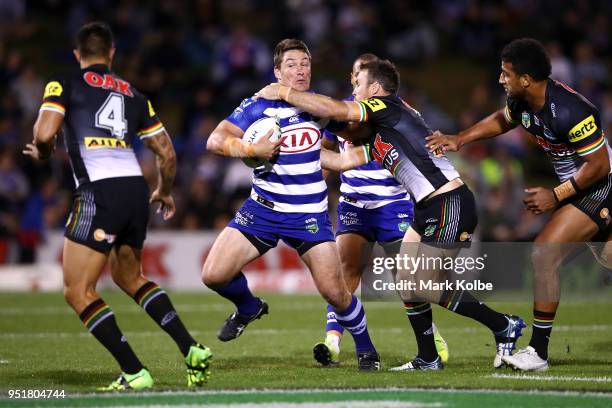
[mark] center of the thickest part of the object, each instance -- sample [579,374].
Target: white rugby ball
[255,132]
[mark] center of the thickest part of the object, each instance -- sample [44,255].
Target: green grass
[43,345]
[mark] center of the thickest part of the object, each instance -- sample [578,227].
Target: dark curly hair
[527,56]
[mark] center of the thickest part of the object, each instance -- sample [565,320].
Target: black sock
[421,319]
[542,326]
[158,305]
[463,303]
[100,321]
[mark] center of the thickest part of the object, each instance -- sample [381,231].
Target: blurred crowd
[197,59]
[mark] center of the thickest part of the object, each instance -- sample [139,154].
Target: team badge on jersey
[403,226]
[429,230]
[375,104]
[53,88]
[526,119]
[312,225]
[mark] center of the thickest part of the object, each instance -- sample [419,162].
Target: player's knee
[340,299]
[543,258]
[76,296]
[213,279]
[128,282]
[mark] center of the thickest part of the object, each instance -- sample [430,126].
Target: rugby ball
[255,132]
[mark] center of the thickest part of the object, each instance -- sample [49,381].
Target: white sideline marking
[333,404]
[4,361]
[549,378]
[355,390]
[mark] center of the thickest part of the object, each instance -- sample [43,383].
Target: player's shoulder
[258,108]
[379,103]
[568,106]
[252,105]
[57,85]
[564,96]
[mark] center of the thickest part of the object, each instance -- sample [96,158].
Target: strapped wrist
[565,190]
[235,147]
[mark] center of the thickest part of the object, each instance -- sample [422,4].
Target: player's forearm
[317,105]
[166,166]
[355,157]
[491,126]
[347,160]
[230,146]
[44,131]
[588,174]
[330,160]
[592,171]
[44,145]
[44,138]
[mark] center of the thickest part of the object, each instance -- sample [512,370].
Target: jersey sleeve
[55,97]
[329,135]
[373,110]
[585,134]
[242,115]
[150,125]
[512,111]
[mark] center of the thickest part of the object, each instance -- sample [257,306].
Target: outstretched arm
[315,104]
[491,126]
[347,160]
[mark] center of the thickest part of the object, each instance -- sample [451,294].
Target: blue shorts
[383,224]
[264,227]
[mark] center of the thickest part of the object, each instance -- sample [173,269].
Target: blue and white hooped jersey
[294,183]
[370,185]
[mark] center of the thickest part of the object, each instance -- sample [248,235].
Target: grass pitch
[43,345]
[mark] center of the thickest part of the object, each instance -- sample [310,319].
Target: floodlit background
[197,60]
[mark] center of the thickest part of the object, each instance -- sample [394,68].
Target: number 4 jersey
[102,114]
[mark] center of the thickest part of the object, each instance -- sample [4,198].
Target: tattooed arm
[161,145]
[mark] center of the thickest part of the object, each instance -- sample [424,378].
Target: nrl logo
[429,230]
[525,119]
[312,225]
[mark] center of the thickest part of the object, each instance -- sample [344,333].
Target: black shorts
[110,212]
[447,218]
[596,202]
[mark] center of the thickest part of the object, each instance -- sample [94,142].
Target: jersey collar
[97,68]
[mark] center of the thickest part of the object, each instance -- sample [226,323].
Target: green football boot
[142,380]
[327,352]
[441,346]
[198,365]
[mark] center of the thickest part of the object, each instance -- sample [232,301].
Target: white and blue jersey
[368,186]
[291,194]
[372,202]
[295,181]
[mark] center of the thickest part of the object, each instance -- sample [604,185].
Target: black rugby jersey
[102,115]
[567,127]
[398,144]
